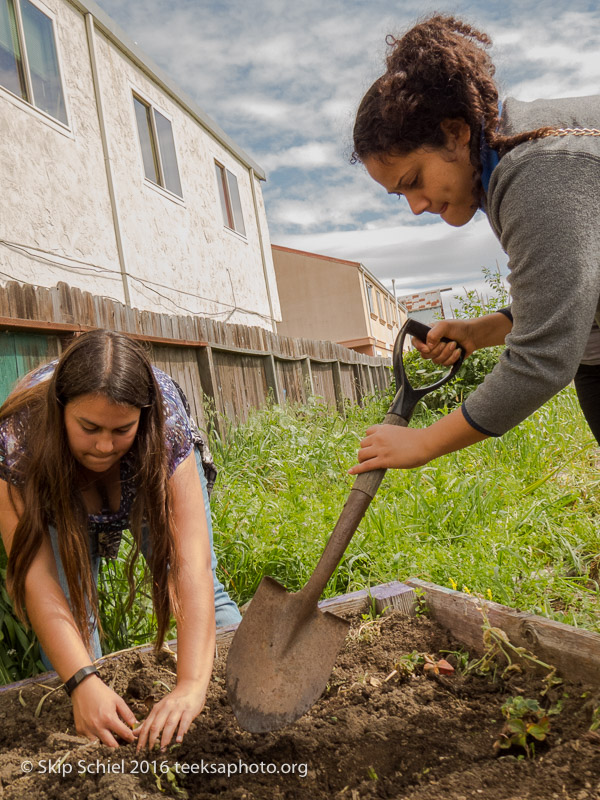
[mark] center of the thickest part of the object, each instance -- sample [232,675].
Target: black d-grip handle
[407,396]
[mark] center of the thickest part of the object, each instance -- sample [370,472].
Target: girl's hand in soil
[99,712]
[179,708]
[388,446]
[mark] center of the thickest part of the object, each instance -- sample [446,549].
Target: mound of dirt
[379,731]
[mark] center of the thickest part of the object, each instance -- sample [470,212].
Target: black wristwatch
[80,676]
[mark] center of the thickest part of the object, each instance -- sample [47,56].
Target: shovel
[284,649]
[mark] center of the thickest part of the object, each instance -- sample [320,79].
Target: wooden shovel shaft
[364,490]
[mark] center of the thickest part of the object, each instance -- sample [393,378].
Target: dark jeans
[587,385]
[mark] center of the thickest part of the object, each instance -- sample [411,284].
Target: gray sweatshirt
[543,204]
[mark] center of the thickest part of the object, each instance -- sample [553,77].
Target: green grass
[514,519]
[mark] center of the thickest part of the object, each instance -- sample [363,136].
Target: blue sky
[284,80]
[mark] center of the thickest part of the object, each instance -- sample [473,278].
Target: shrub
[421,372]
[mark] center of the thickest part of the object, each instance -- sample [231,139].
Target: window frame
[27,102]
[161,188]
[223,186]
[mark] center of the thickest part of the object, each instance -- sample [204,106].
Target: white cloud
[306,156]
[284,82]
[429,256]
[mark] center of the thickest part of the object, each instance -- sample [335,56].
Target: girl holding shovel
[432,129]
[94,443]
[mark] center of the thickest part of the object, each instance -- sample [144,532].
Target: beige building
[115,182]
[335,300]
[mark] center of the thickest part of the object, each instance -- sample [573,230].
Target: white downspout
[262,249]
[89,27]
[368,310]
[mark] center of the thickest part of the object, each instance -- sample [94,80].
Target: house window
[379,306]
[370,298]
[158,147]
[230,199]
[29,59]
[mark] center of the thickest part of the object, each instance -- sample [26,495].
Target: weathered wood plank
[336,377]
[573,651]
[307,379]
[388,597]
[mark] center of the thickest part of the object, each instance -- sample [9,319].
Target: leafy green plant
[475,304]
[408,662]
[372,612]
[526,721]
[19,648]
[123,627]
[472,304]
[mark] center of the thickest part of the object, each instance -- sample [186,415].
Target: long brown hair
[115,366]
[437,70]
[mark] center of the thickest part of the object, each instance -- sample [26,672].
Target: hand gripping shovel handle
[366,484]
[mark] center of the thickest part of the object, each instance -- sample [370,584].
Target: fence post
[385,377]
[358,382]
[337,386]
[370,385]
[271,375]
[309,388]
[209,383]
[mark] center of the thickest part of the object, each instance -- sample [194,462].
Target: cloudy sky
[284,80]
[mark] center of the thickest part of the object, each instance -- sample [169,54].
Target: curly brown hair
[113,365]
[437,70]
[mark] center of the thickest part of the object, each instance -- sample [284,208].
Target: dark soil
[370,736]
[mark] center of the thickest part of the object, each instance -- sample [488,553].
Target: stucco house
[116,182]
[335,300]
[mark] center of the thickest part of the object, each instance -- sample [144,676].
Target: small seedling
[421,608]
[172,785]
[408,662]
[595,719]
[525,722]
[497,645]
[372,612]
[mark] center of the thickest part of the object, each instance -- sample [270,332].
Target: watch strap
[80,676]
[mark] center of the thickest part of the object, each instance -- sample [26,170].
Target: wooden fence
[237,367]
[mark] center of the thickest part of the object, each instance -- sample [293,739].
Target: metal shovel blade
[281,658]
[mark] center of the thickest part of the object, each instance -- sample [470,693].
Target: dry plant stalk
[497,644]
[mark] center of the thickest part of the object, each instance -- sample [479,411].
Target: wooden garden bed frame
[573,651]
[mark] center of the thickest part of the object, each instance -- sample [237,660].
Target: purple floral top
[181,435]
